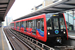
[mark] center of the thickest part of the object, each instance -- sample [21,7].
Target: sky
[22,7]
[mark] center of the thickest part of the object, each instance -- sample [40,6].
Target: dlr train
[43,27]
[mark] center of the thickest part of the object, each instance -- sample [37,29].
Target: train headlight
[48,33]
[64,32]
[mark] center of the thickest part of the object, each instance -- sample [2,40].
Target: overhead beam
[71,4]
[3,3]
[52,10]
[3,7]
[2,10]
[62,8]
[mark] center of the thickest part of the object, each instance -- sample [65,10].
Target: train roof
[58,7]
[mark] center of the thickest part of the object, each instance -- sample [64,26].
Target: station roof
[5,5]
[57,7]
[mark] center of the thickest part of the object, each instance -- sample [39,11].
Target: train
[43,27]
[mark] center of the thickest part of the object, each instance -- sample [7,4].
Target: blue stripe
[41,32]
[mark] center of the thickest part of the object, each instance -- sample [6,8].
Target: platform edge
[10,48]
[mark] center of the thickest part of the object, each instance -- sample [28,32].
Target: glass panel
[27,24]
[12,24]
[55,22]
[49,23]
[34,27]
[24,24]
[21,24]
[62,23]
[40,24]
[30,23]
[17,24]
[69,21]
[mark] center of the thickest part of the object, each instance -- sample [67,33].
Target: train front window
[55,22]
[49,23]
[62,23]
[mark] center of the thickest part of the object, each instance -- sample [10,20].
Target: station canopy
[57,7]
[5,5]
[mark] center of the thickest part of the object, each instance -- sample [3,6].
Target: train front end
[56,27]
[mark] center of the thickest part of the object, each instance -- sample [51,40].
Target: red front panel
[66,26]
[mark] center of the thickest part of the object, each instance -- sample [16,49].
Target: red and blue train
[43,27]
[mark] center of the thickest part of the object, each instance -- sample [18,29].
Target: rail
[34,43]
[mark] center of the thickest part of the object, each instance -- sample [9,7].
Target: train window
[55,22]
[24,24]
[27,24]
[40,24]
[21,24]
[12,24]
[33,24]
[16,25]
[49,23]
[62,23]
[30,23]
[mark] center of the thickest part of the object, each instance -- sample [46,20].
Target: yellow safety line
[2,41]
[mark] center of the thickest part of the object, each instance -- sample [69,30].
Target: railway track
[15,43]
[30,43]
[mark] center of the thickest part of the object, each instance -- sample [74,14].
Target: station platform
[4,44]
[71,34]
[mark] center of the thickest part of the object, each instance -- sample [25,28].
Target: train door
[40,27]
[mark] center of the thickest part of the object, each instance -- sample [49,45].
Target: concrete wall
[44,3]
[48,2]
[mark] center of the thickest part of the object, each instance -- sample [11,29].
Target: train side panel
[29,30]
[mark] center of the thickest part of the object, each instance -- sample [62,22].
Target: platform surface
[3,42]
[71,34]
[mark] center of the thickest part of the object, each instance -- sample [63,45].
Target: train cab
[56,27]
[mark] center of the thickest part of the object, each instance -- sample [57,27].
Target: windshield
[55,22]
[49,23]
[62,23]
